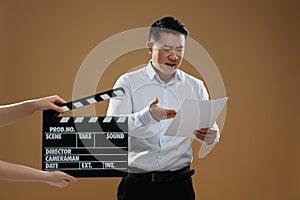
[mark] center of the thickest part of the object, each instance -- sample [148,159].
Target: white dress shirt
[148,148]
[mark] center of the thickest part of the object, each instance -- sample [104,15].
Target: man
[159,166]
[10,114]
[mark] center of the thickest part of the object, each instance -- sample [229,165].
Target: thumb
[154,102]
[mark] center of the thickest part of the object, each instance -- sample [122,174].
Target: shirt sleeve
[138,122]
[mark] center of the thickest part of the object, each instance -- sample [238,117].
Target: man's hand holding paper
[207,135]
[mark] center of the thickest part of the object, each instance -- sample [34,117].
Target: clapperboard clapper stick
[86,146]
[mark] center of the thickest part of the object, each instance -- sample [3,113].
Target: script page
[194,115]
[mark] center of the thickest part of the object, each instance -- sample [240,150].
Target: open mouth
[170,64]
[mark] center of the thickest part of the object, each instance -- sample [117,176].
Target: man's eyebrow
[169,46]
[166,45]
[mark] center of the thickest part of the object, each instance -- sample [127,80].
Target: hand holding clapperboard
[86,146]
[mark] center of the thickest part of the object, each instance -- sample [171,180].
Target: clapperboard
[89,146]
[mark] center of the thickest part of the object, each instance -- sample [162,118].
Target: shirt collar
[151,73]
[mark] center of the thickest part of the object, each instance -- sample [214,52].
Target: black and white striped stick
[93,99]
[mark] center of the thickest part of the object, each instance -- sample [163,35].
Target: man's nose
[173,56]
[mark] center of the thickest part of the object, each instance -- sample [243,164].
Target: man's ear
[149,47]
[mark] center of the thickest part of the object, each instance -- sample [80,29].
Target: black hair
[167,25]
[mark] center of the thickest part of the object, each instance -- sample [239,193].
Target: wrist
[46,176]
[31,105]
[152,116]
[35,104]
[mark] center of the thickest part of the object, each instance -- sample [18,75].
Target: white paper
[194,115]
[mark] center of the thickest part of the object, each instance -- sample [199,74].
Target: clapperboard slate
[86,146]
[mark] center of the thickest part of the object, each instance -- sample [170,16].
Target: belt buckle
[156,178]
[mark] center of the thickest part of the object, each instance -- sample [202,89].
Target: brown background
[255,45]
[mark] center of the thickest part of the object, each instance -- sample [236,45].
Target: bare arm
[15,172]
[11,113]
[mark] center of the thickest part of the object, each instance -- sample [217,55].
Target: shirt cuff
[146,118]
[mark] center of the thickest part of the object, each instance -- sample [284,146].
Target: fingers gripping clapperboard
[86,146]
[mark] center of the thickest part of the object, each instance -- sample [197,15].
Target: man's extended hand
[159,113]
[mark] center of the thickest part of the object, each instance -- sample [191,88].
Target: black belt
[164,176]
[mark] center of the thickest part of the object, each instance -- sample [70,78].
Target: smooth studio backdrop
[255,45]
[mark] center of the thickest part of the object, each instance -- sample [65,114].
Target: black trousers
[134,187]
